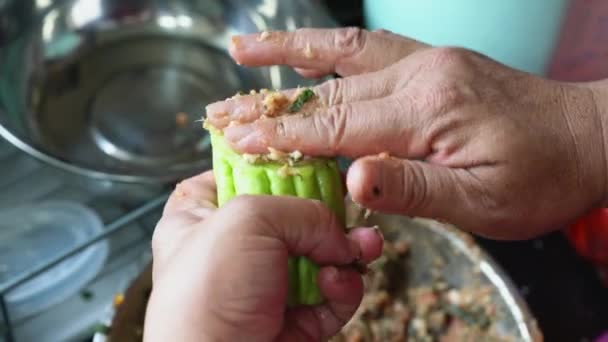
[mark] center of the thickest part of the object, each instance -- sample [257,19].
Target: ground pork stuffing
[392,311]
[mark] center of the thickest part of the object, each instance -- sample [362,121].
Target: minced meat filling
[391,311]
[277,104]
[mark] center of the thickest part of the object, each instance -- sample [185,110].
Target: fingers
[345,51]
[343,290]
[193,193]
[248,108]
[415,188]
[242,109]
[305,227]
[192,202]
[351,130]
[170,234]
[370,243]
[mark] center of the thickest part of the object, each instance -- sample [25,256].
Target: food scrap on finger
[263,36]
[308,53]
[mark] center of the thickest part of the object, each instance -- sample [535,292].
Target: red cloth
[590,236]
[582,55]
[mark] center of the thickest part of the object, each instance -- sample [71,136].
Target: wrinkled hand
[493,150]
[221,275]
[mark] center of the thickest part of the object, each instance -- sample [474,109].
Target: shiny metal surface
[465,264]
[129,210]
[113,89]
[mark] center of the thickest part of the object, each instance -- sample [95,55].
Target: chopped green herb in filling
[305,96]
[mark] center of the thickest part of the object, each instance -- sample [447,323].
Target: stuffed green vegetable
[282,174]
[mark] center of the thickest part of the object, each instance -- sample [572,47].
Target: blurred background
[99,102]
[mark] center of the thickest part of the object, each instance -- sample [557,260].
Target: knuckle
[250,209]
[407,103]
[333,91]
[450,57]
[299,37]
[414,188]
[383,32]
[321,211]
[323,215]
[332,126]
[270,128]
[279,129]
[349,39]
[243,204]
[450,97]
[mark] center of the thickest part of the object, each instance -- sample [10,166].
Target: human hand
[222,274]
[493,150]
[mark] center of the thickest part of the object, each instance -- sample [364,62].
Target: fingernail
[355,250]
[338,275]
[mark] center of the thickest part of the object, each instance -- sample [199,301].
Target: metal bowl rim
[526,323]
[51,160]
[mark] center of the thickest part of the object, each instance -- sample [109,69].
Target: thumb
[304,227]
[414,188]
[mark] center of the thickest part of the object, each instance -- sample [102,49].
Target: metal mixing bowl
[113,89]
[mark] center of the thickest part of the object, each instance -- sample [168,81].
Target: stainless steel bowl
[114,89]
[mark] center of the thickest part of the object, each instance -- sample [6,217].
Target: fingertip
[237,55]
[256,49]
[355,249]
[364,180]
[212,109]
[235,48]
[370,241]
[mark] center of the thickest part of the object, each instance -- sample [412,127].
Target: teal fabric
[519,33]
